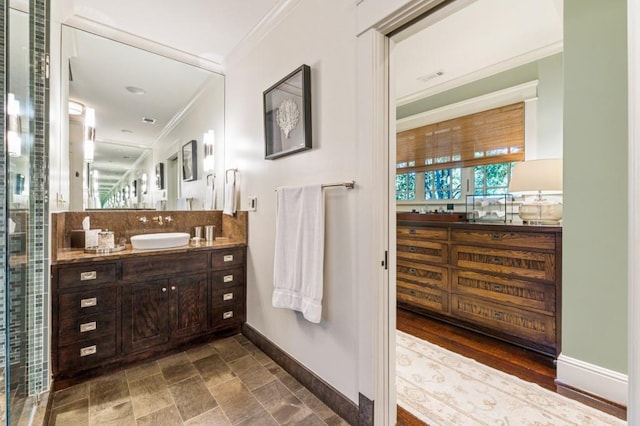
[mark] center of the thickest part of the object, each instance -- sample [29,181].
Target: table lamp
[538,177]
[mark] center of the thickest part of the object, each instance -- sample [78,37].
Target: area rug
[442,388]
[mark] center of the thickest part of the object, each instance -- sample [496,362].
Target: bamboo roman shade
[487,137]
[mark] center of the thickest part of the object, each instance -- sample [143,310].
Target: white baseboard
[598,381]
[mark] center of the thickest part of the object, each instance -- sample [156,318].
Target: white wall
[323,38]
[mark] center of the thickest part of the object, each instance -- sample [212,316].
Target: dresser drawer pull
[89,350]
[496,287]
[227,315]
[228,258]
[496,236]
[227,296]
[497,260]
[497,315]
[413,271]
[412,231]
[87,303]
[88,326]
[227,278]
[412,249]
[91,275]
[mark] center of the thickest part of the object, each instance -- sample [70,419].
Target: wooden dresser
[501,280]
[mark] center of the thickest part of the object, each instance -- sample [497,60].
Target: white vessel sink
[161,240]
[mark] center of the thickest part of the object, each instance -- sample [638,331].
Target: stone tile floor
[226,382]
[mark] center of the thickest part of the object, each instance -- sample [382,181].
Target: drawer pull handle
[89,350]
[497,315]
[496,287]
[227,296]
[91,275]
[497,260]
[87,303]
[496,236]
[228,258]
[88,326]
[413,271]
[173,288]
[164,289]
[412,231]
[227,278]
[412,249]
[227,315]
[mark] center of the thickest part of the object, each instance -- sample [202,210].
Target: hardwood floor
[523,363]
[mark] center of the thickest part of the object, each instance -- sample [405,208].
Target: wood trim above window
[487,137]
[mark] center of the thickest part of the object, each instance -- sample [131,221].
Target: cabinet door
[188,304]
[145,315]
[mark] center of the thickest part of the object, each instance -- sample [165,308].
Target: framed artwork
[160,176]
[287,114]
[189,161]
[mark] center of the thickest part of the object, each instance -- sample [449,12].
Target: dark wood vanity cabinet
[502,280]
[112,313]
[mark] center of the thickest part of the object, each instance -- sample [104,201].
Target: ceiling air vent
[148,120]
[431,76]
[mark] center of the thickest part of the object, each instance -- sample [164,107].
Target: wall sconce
[14,126]
[89,134]
[208,151]
[538,177]
[143,186]
[75,108]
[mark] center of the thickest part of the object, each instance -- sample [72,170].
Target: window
[443,184]
[406,187]
[492,179]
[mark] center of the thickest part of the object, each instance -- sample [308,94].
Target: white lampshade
[536,176]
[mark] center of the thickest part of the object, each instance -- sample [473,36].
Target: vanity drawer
[517,263]
[85,354]
[529,240]
[227,316]
[431,233]
[227,258]
[86,327]
[525,294]
[422,297]
[153,266]
[227,296]
[420,250]
[228,278]
[89,274]
[423,274]
[517,322]
[71,305]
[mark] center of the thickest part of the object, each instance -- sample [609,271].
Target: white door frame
[374,129]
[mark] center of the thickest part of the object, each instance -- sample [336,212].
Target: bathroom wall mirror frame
[287,114]
[144,104]
[190,161]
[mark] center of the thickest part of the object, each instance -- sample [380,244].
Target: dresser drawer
[227,296]
[423,274]
[227,316]
[509,239]
[226,258]
[228,278]
[421,250]
[85,354]
[517,263]
[422,297]
[86,327]
[431,233]
[88,274]
[520,323]
[153,266]
[525,294]
[71,305]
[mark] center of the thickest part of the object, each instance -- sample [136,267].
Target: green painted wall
[594,311]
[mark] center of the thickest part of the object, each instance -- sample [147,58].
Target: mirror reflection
[130,111]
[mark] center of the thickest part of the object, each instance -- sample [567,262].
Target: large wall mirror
[130,110]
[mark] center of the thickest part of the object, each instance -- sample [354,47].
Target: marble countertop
[68,255]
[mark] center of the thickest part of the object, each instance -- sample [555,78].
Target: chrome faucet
[168,219]
[158,219]
[143,219]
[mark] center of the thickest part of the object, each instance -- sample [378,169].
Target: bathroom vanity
[501,280]
[113,310]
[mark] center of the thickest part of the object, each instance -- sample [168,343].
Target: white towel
[209,199]
[230,195]
[299,251]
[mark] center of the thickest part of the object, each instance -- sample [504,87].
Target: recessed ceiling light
[75,108]
[136,90]
[148,120]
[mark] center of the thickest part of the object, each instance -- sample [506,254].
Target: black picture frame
[189,161]
[160,176]
[287,114]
